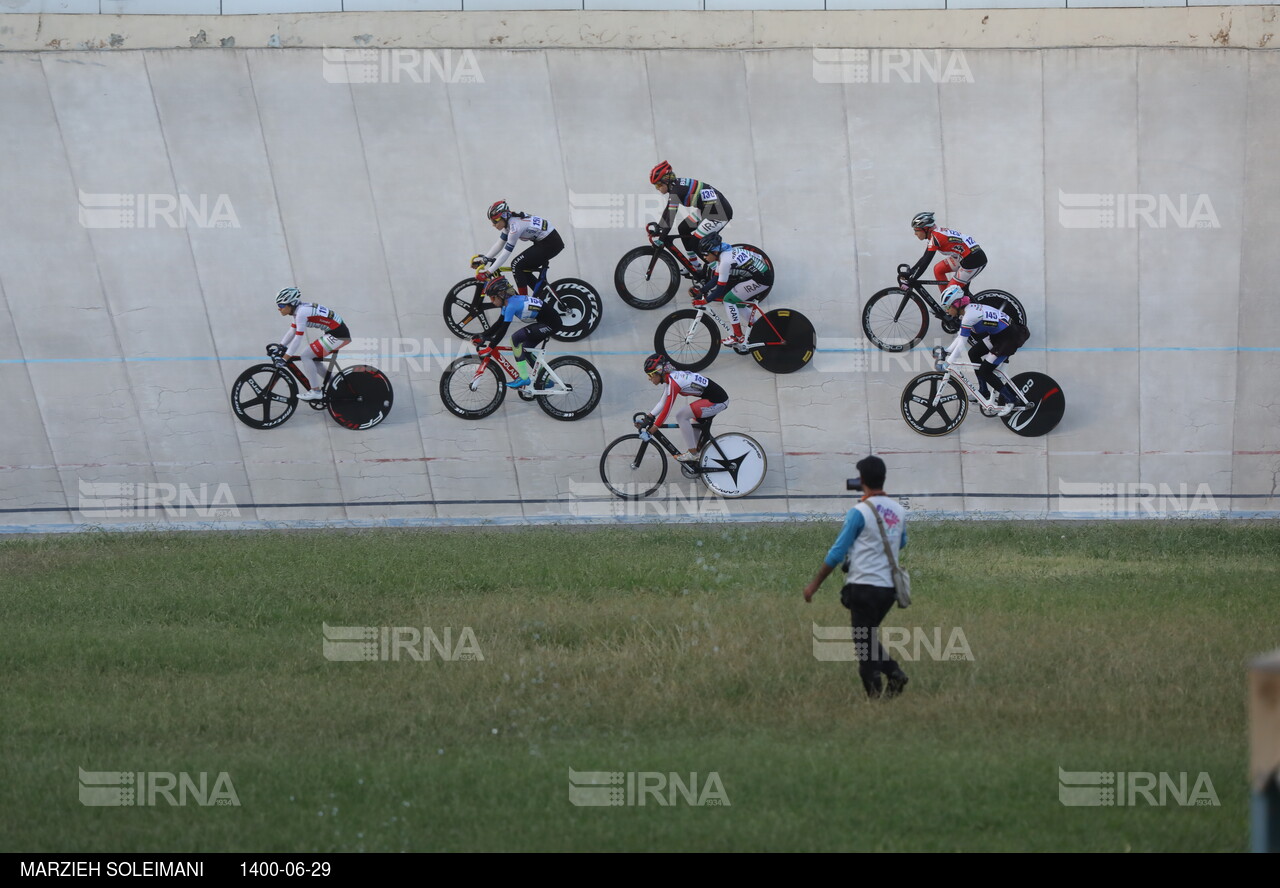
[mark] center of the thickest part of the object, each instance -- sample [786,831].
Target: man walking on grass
[868,591]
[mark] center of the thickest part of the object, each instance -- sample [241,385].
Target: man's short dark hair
[872,471]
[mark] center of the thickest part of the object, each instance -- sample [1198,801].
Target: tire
[895,321]
[621,474]
[688,338]
[466,312]
[927,420]
[798,340]
[734,466]
[257,398]
[359,397]
[579,306]
[582,377]
[456,393]
[641,286]
[1048,403]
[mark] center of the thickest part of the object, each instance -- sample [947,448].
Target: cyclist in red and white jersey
[310,315]
[962,258]
[709,399]
[512,228]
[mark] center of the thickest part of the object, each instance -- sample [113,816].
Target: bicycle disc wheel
[789,340]
[583,381]
[920,413]
[359,397]
[1048,403]
[1005,302]
[466,312]
[894,321]
[688,338]
[644,281]
[632,468]
[579,306]
[263,397]
[733,465]
[461,398]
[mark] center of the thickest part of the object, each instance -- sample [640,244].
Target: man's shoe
[893,687]
[312,395]
[519,383]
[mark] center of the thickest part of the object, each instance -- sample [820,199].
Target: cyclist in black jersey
[707,206]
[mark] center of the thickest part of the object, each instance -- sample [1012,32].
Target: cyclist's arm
[660,410]
[668,217]
[919,267]
[502,249]
[495,334]
[718,287]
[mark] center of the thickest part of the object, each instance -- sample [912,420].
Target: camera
[853,484]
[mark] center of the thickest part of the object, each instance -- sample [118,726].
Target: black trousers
[868,606]
[524,266]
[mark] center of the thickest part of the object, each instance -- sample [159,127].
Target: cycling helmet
[656,363]
[923,220]
[499,286]
[289,296]
[661,173]
[499,210]
[954,295]
[711,243]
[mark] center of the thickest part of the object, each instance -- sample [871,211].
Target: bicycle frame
[512,373]
[704,438]
[727,329]
[670,246]
[293,362]
[953,364]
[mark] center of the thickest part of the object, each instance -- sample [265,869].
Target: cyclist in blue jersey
[735,275]
[709,208]
[543,321]
[993,337]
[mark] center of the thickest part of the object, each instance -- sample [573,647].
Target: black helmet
[656,363]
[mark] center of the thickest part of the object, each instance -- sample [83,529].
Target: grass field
[1120,647]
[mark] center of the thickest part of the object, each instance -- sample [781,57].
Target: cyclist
[710,399]
[542,320]
[1003,335]
[735,275]
[962,258]
[513,228]
[333,336]
[708,207]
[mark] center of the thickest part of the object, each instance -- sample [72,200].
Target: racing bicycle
[467,312]
[935,403]
[266,395]
[634,466]
[781,341]
[474,386]
[897,318]
[648,277]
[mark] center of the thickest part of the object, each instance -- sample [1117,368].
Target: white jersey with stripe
[529,228]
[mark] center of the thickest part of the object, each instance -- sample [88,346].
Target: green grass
[1120,647]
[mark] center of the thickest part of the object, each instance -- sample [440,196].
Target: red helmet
[656,363]
[661,173]
[499,210]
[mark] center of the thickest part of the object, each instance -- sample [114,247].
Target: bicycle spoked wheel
[733,465]
[263,397]
[470,396]
[359,397]
[582,381]
[644,281]
[894,321]
[466,312]
[788,338]
[689,339]
[632,468]
[927,418]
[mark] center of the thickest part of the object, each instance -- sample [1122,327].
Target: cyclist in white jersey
[709,400]
[309,315]
[512,228]
[734,274]
[984,322]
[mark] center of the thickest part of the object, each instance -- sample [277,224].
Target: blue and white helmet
[289,296]
[954,295]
